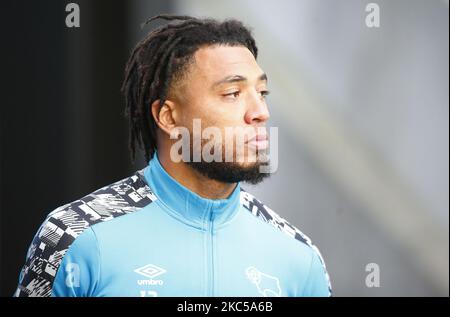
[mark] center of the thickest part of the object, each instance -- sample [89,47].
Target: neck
[193,180]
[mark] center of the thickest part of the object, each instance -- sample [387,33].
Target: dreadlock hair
[160,59]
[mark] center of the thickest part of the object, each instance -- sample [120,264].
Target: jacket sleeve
[79,271]
[318,281]
[47,266]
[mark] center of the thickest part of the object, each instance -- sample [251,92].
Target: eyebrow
[237,78]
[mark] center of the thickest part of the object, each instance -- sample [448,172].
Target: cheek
[227,114]
[212,112]
[198,108]
[190,111]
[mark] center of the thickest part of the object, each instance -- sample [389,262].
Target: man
[182,227]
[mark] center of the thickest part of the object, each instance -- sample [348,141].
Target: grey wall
[363,133]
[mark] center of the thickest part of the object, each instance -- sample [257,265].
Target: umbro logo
[150,271]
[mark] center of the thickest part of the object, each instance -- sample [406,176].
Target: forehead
[215,62]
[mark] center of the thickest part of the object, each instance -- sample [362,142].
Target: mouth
[260,142]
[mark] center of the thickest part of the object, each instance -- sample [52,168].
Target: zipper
[210,256]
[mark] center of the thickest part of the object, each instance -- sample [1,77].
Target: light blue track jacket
[147,235]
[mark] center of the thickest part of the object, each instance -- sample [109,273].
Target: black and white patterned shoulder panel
[63,225]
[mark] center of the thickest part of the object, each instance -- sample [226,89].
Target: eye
[264,93]
[233,94]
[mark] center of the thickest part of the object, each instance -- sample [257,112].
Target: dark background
[63,130]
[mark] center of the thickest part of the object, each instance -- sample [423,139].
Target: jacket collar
[185,204]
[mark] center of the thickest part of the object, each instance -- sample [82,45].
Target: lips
[259,141]
[260,137]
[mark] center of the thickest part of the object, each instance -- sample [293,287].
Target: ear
[165,115]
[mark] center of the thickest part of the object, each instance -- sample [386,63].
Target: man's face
[225,88]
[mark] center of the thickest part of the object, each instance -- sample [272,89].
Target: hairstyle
[161,59]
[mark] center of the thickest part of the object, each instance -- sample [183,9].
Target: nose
[257,111]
